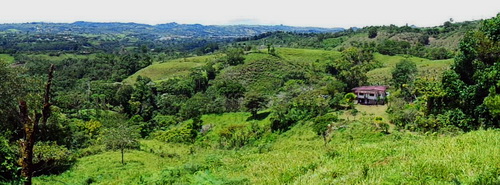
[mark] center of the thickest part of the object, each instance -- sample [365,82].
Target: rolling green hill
[258,62]
[427,68]
[173,68]
[181,67]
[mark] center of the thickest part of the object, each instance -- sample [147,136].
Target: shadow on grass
[259,116]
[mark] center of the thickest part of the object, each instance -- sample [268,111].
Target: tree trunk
[122,150]
[27,143]
[30,128]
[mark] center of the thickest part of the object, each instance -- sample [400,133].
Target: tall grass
[358,154]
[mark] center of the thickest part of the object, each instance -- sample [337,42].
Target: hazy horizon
[313,13]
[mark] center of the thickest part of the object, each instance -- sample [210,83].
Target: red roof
[370,88]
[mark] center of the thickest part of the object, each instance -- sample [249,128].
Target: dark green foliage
[322,123]
[234,56]
[391,47]
[161,122]
[254,102]
[436,53]
[11,89]
[8,167]
[198,105]
[178,87]
[178,134]
[50,158]
[169,104]
[200,78]
[352,67]
[401,113]
[404,72]
[403,76]
[122,97]
[466,97]
[372,32]
[304,106]
[142,100]
[475,76]
[233,91]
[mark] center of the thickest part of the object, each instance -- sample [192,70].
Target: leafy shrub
[234,56]
[321,123]
[236,135]
[308,104]
[8,166]
[50,158]
[179,134]
[254,102]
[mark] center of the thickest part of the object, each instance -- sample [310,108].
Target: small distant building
[371,95]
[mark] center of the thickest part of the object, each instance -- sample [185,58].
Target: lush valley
[249,104]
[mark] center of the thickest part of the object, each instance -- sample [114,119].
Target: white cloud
[332,13]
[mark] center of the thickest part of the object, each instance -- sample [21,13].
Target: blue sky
[321,13]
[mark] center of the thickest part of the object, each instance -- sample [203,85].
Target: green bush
[179,134]
[50,158]
[236,135]
[306,105]
[321,123]
[8,165]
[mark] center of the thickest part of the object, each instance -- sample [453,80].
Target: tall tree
[473,84]
[30,125]
[403,76]
[404,73]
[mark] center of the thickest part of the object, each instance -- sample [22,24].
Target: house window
[372,94]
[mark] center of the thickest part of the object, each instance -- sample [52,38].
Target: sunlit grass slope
[358,154]
[174,68]
[181,67]
[300,57]
[7,58]
[427,68]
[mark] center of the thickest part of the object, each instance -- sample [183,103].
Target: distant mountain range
[166,31]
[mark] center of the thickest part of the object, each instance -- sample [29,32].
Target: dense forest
[126,103]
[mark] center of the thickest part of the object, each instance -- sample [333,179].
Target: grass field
[61,57]
[7,58]
[367,112]
[173,68]
[307,55]
[427,68]
[357,155]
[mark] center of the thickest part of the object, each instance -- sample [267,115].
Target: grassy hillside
[236,148]
[255,62]
[427,68]
[174,68]
[181,67]
[358,154]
